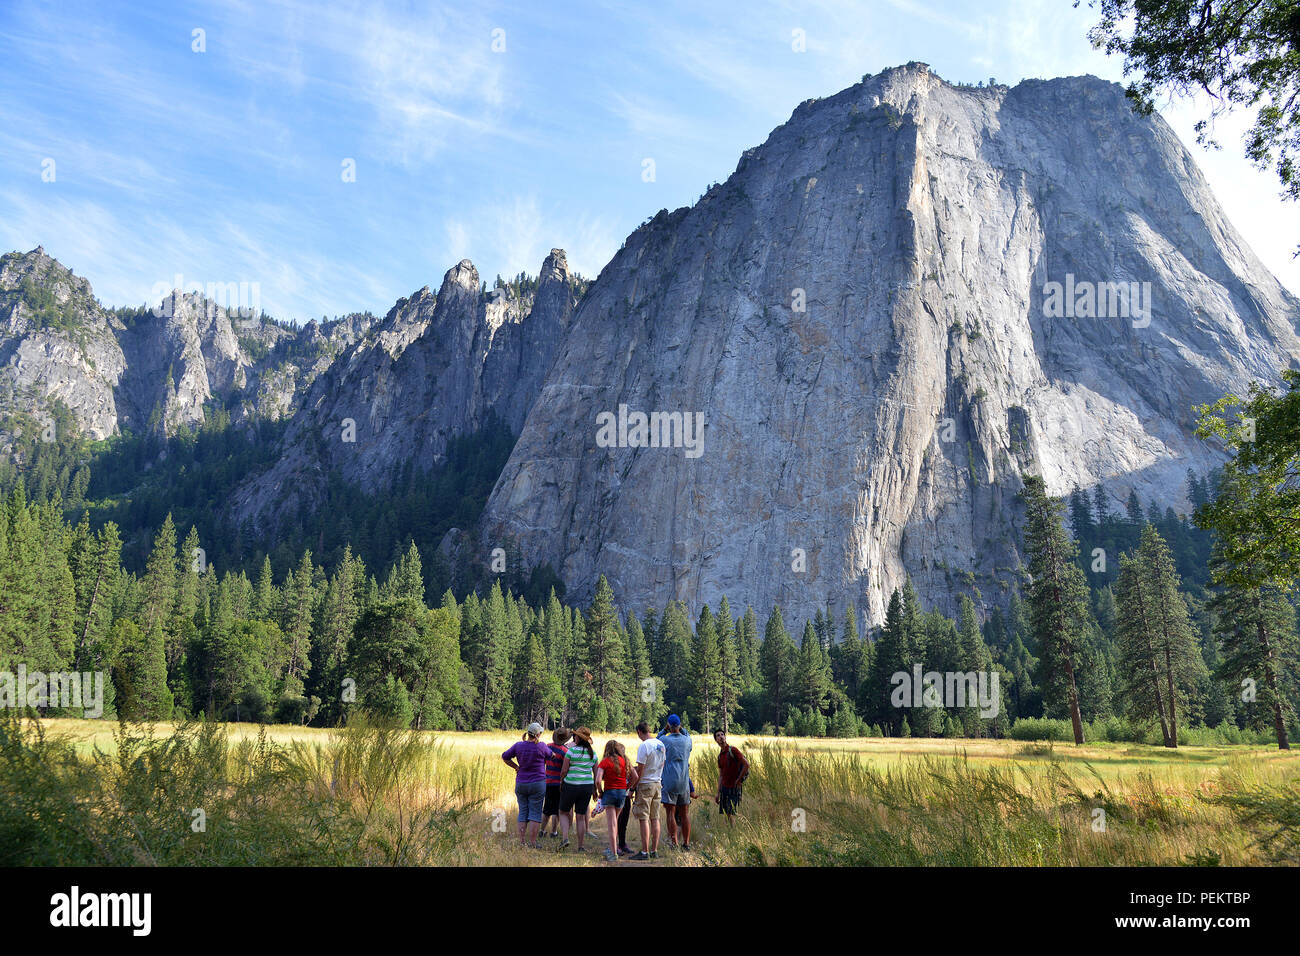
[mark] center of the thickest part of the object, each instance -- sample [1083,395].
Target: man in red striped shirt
[554,764]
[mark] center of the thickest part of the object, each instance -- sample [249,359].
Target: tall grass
[371,795]
[190,797]
[954,811]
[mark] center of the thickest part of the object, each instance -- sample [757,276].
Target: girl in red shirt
[611,784]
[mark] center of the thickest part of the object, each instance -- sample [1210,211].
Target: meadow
[77,791]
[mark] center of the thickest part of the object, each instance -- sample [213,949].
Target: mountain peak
[462,275]
[555,268]
[859,318]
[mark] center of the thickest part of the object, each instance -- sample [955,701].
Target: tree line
[181,639]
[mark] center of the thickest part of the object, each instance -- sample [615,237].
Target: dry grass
[862,801]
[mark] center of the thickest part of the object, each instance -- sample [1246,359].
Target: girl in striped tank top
[578,776]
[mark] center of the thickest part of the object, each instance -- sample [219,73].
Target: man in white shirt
[649,776]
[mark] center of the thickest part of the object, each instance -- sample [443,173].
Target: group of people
[555,785]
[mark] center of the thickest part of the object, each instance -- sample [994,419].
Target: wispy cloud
[227,163]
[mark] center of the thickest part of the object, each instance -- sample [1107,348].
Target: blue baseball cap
[674,720]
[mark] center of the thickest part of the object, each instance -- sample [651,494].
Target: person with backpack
[733,768]
[611,784]
[576,786]
[554,765]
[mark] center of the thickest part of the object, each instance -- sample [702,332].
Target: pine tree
[493,671]
[1256,627]
[581,694]
[747,649]
[778,660]
[406,578]
[266,602]
[973,657]
[95,561]
[1102,504]
[182,631]
[646,698]
[892,655]
[1058,596]
[437,694]
[1161,665]
[812,673]
[728,666]
[851,657]
[706,667]
[535,686]
[158,605]
[1134,509]
[650,628]
[296,622]
[557,641]
[606,655]
[145,665]
[1080,515]
[29,633]
[675,641]
[339,612]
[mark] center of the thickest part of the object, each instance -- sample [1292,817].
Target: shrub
[1041,728]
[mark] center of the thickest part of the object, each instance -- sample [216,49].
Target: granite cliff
[869,315]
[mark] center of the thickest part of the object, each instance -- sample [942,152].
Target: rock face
[859,315]
[435,367]
[157,370]
[57,343]
[183,355]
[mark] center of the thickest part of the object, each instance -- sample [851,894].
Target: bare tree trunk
[1270,675]
[1172,740]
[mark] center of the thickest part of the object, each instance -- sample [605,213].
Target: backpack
[745,773]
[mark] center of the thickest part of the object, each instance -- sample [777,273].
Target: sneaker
[654,854]
[598,811]
[563,846]
[611,856]
[686,848]
[642,856]
[624,851]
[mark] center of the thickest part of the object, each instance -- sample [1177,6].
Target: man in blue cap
[676,790]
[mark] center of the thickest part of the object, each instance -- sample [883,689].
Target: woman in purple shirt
[527,759]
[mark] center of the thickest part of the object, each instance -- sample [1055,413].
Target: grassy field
[420,798]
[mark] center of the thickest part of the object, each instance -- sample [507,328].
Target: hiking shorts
[575,797]
[613,799]
[645,805]
[676,798]
[551,805]
[728,800]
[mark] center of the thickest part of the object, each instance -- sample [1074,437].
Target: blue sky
[226,165]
